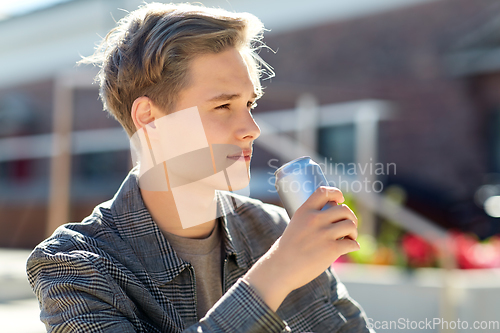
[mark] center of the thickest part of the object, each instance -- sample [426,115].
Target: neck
[184,212]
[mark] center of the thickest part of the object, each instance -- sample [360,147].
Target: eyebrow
[227,97]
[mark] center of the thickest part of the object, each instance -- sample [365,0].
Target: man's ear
[142,112]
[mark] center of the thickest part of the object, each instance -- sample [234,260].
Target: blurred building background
[435,61]
[438,63]
[433,65]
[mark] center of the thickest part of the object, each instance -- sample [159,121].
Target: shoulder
[73,243]
[96,226]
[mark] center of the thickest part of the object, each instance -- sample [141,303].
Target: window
[336,143]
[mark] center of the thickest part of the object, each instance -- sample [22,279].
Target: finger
[338,213]
[343,229]
[322,196]
[347,245]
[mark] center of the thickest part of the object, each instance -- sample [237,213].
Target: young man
[173,251]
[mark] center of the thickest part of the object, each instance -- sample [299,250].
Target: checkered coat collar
[136,226]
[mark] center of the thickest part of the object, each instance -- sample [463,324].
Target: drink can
[297,180]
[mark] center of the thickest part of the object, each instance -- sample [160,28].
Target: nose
[249,129]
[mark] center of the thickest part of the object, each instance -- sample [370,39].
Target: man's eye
[224,106]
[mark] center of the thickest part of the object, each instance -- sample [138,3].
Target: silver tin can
[297,180]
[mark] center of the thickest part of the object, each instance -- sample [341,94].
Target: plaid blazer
[115,272]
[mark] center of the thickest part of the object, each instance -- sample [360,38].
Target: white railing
[82,142]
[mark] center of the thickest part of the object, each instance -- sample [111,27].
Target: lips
[247,155]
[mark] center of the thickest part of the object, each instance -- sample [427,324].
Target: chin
[239,184]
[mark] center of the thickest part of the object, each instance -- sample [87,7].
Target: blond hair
[148,53]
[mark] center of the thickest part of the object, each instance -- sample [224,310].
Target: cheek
[216,130]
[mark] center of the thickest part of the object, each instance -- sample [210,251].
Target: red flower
[463,245]
[418,252]
[471,253]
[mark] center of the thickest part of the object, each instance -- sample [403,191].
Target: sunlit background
[397,100]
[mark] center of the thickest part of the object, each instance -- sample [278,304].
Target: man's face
[221,88]
[206,143]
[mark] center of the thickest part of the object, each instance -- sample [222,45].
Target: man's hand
[309,245]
